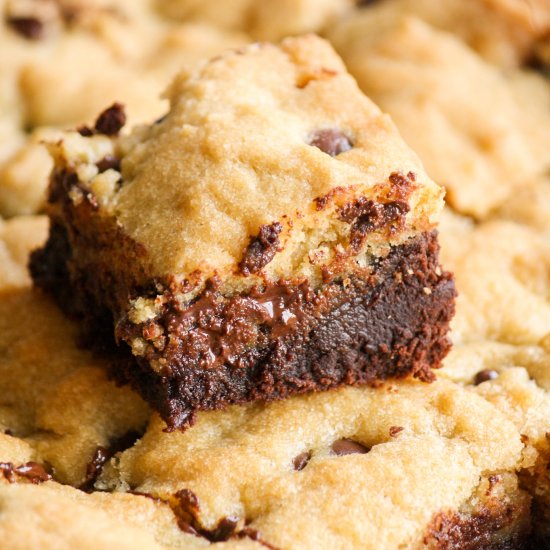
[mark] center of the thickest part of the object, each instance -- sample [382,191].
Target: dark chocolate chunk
[85,131]
[28,27]
[343,447]
[225,529]
[261,249]
[111,120]
[331,141]
[300,461]
[484,376]
[107,162]
[32,471]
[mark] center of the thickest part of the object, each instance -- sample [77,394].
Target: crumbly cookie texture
[505,32]
[502,271]
[44,83]
[364,460]
[265,20]
[273,205]
[481,133]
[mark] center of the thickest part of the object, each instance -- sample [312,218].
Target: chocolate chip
[261,249]
[331,141]
[484,376]
[300,461]
[223,531]
[108,162]
[32,471]
[366,216]
[85,131]
[111,120]
[103,454]
[94,467]
[28,27]
[348,447]
[187,511]
[394,430]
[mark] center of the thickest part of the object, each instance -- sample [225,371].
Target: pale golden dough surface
[240,462]
[234,154]
[55,395]
[481,133]
[530,206]
[505,32]
[56,517]
[264,20]
[17,238]
[502,272]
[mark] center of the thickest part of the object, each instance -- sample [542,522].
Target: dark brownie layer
[281,340]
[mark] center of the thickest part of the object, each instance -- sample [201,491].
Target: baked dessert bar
[271,235]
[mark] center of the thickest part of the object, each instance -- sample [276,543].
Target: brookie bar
[271,235]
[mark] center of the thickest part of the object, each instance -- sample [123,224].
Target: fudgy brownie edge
[390,324]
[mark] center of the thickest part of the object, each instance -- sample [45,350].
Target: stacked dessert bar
[234,331]
[271,235]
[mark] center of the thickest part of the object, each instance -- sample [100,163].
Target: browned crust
[496,525]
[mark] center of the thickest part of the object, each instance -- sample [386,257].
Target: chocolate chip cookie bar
[271,235]
[404,465]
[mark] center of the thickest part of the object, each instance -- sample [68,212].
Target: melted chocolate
[32,471]
[103,454]
[108,162]
[394,430]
